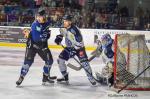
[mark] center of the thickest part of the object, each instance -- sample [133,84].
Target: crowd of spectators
[110,16]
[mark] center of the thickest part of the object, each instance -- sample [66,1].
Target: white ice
[11,60]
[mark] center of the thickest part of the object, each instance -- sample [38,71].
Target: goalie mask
[105,39]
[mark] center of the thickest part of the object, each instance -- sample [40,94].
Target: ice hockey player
[74,46]
[105,49]
[38,44]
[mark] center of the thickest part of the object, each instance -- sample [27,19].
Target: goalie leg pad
[101,79]
[108,69]
[106,77]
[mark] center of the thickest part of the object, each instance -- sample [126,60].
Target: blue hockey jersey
[40,32]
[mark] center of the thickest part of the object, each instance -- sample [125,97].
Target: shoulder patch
[38,28]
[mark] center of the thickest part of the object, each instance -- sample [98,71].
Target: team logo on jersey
[38,28]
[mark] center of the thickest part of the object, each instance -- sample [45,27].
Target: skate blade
[53,77]
[113,89]
[47,84]
[19,86]
[63,82]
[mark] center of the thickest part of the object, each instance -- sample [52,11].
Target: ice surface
[11,60]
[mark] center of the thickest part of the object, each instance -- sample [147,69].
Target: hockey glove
[58,39]
[47,34]
[26,32]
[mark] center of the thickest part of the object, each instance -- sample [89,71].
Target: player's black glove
[47,34]
[58,39]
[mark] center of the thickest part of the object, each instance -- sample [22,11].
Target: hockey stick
[118,91]
[80,67]
[94,53]
[73,57]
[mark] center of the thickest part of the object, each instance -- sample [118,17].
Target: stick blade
[115,89]
[73,67]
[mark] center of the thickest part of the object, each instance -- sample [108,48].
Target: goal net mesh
[131,58]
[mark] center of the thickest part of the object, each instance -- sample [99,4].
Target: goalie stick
[80,67]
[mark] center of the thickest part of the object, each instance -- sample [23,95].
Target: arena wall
[13,37]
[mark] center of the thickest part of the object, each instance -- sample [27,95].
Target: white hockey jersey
[73,37]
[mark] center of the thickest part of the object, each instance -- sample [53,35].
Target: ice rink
[11,60]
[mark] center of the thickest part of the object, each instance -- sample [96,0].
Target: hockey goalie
[106,49]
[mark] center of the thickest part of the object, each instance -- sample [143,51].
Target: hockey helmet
[67,17]
[106,37]
[41,12]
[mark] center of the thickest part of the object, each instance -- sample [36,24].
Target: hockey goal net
[131,58]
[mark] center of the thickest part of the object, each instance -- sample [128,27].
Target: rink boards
[13,37]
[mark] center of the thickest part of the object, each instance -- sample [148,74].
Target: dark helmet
[67,17]
[41,12]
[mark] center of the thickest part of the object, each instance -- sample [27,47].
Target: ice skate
[63,79]
[21,78]
[46,80]
[52,77]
